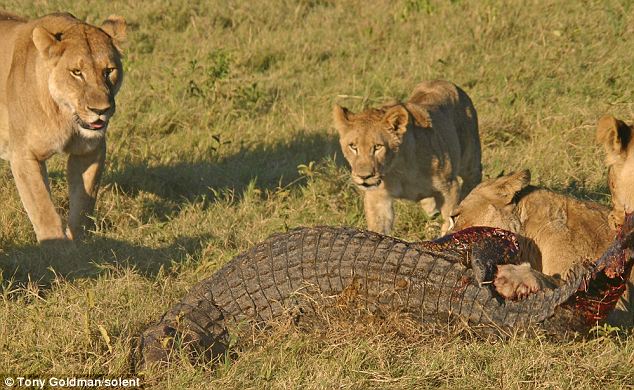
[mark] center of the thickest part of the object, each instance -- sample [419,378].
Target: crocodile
[290,273]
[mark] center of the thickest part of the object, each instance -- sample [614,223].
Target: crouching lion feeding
[556,231]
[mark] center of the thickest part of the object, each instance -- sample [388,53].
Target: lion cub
[555,230]
[58,80]
[426,149]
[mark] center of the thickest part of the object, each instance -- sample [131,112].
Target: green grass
[223,136]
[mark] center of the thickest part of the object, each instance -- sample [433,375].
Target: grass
[223,136]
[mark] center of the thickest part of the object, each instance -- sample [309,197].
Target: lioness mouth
[368,186]
[96,125]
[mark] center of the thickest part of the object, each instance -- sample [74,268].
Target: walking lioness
[426,149]
[58,80]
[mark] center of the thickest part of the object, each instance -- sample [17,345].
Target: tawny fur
[616,138]
[58,80]
[426,149]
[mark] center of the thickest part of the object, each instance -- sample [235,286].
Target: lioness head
[370,140]
[616,137]
[84,69]
[492,203]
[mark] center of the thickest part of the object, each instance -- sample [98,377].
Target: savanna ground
[223,136]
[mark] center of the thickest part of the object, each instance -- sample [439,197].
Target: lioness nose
[100,110]
[365,176]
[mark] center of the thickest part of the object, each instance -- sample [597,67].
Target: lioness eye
[76,72]
[377,148]
[353,147]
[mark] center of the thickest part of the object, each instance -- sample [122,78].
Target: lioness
[427,147]
[616,138]
[58,80]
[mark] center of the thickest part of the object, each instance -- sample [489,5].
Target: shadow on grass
[89,259]
[269,165]
[600,194]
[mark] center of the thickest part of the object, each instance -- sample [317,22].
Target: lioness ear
[614,134]
[396,119]
[116,27]
[45,42]
[508,186]
[341,117]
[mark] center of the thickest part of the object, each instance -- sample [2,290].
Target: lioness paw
[516,281]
